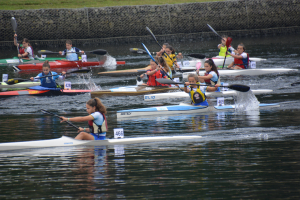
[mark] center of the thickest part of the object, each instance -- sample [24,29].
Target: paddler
[49,81]
[154,73]
[96,120]
[171,58]
[71,51]
[197,92]
[222,47]
[241,58]
[25,49]
[211,75]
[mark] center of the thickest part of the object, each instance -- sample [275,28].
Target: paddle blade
[15,80]
[98,52]
[228,42]
[240,88]
[149,54]
[14,23]
[138,51]
[46,52]
[197,55]
[213,30]
[294,84]
[148,29]
[80,71]
[165,81]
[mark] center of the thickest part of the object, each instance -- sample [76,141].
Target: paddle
[240,88]
[213,30]
[19,80]
[142,51]
[50,113]
[97,51]
[14,26]
[139,51]
[228,42]
[148,29]
[294,84]
[158,64]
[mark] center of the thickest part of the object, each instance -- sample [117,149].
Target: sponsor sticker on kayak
[161,108]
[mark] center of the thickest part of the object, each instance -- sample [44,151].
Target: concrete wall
[127,23]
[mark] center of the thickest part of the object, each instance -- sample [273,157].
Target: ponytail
[46,64]
[213,66]
[96,102]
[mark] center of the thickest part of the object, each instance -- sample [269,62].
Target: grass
[38,4]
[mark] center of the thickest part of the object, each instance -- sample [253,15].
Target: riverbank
[42,4]
[126,24]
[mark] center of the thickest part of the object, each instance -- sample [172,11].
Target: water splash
[110,62]
[88,81]
[246,101]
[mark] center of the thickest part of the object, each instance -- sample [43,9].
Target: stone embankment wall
[126,24]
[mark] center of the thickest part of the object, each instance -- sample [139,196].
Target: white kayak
[182,108]
[68,141]
[158,96]
[246,72]
[19,85]
[218,60]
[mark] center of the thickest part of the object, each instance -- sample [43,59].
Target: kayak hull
[32,92]
[159,96]
[62,64]
[15,60]
[177,109]
[65,141]
[131,91]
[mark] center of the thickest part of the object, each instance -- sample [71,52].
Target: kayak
[42,91]
[61,64]
[158,96]
[182,108]
[15,60]
[246,72]
[131,90]
[218,60]
[18,86]
[65,141]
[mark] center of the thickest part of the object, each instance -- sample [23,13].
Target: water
[248,154]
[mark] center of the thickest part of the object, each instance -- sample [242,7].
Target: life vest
[22,51]
[222,51]
[98,129]
[243,63]
[209,81]
[71,56]
[169,61]
[197,96]
[152,79]
[48,81]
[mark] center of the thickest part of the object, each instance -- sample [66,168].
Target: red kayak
[62,64]
[42,92]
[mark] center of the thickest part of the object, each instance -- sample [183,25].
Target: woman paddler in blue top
[96,120]
[197,92]
[49,80]
[211,75]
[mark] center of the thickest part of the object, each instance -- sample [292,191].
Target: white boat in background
[68,141]
[158,96]
[182,108]
[245,72]
[218,60]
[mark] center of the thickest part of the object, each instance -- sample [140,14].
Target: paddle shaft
[14,26]
[50,113]
[97,51]
[228,42]
[241,88]
[213,30]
